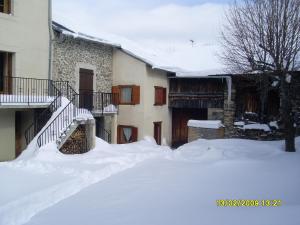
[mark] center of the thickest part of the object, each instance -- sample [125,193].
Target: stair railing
[42,119]
[62,121]
[56,89]
[105,134]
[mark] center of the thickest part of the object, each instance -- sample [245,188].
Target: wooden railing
[196,100]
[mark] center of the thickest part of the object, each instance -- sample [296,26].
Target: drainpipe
[50,38]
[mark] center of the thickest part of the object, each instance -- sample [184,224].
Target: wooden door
[2,71]
[180,118]
[18,133]
[6,72]
[86,85]
[157,132]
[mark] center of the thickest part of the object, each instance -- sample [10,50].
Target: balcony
[19,92]
[98,103]
[196,100]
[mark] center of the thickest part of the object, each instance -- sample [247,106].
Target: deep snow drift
[146,184]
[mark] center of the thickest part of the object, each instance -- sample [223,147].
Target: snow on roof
[211,124]
[180,62]
[257,126]
[66,31]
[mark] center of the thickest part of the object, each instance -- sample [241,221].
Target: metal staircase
[74,113]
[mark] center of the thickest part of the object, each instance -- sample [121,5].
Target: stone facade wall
[71,54]
[229,112]
[215,114]
[195,133]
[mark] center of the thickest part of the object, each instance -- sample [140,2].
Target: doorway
[18,132]
[157,132]
[5,72]
[86,88]
[180,118]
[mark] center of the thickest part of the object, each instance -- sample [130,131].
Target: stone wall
[71,54]
[215,114]
[229,112]
[195,133]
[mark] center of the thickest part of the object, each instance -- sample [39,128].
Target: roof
[176,63]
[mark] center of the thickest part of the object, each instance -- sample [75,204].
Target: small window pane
[127,134]
[126,95]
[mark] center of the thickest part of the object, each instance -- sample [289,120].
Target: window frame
[163,100]
[8,9]
[120,98]
[133,138]
[135,94]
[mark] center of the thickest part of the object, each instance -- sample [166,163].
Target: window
[160,96]
[127,134]
[126,95]
[5,6]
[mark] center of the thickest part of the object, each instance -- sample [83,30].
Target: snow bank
[211,124]
[257,126]
[181,187]
[78,172]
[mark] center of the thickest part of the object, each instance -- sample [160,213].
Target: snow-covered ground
[146,184]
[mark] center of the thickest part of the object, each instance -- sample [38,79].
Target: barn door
[157,132]
[86,88]
[180,118]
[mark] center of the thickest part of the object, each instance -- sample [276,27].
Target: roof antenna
[193,42]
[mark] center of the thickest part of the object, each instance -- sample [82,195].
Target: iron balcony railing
[32,91]
[99,102]
[19,90]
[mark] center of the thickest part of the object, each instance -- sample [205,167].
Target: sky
[165,25]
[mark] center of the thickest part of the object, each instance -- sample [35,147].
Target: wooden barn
[228,98]
[197,99]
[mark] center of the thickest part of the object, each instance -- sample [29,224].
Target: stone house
[139,90]
[87,64]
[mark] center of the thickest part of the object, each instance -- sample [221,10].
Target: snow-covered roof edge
[179,73]
[68,32]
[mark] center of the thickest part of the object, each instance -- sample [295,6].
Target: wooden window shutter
[160,96]
[136,95]
[116,95]
[134,134]
[164,96]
